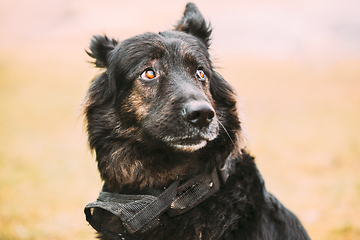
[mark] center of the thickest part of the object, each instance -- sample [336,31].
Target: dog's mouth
[188,145]
[191,139]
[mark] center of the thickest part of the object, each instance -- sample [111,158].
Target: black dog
[168,142]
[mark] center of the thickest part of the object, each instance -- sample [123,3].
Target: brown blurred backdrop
[295,64]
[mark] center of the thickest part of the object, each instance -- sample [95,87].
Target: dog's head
[160,93]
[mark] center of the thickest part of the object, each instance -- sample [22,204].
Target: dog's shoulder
[278,222]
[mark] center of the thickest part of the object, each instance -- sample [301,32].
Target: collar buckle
[193,192]
[227,168]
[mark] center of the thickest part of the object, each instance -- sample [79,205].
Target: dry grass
[46,174]
[303,124]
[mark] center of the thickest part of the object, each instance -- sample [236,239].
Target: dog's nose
[199,113]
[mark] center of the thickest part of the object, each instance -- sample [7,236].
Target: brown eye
[200,75]
[148,74]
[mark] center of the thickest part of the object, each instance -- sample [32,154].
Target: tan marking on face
[137,103]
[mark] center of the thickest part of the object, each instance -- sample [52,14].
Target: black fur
[143,137]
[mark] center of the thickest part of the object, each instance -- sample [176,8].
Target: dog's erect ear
[100,47]
[194,23]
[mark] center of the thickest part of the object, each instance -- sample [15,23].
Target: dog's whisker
[227,133]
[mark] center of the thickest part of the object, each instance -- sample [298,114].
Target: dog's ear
[100,47]
[194,23]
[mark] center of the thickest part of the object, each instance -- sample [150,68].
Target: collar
[139,213]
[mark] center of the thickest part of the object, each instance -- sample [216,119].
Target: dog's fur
[144,139]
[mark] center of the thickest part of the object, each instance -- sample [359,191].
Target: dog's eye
[200,75]
[148,74]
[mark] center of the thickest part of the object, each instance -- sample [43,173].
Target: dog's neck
[139,174]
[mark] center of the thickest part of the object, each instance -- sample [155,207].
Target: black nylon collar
[139,213]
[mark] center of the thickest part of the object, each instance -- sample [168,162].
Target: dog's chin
[192,139]
[188,146]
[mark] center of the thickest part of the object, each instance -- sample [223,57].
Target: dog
[165,128]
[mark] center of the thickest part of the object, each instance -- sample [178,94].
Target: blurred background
[295,65]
